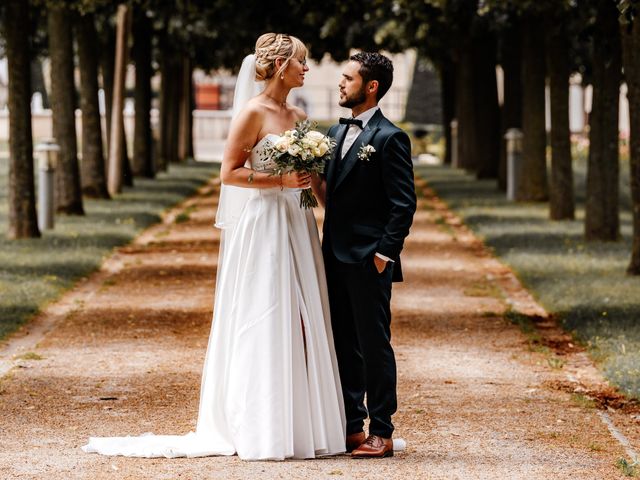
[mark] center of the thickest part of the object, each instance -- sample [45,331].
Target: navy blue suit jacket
[370,203]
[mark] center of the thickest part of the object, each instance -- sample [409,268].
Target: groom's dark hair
[375,66]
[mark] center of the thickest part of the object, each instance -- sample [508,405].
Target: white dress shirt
[353,132]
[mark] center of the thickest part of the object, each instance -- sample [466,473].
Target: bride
[270,386]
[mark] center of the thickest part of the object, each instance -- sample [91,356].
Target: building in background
[319,95]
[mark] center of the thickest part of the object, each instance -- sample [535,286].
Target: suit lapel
[335,157]
[351,158]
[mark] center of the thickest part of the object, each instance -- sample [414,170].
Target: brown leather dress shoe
[354,441]
[374,447]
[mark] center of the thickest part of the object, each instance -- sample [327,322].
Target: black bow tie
[351,121]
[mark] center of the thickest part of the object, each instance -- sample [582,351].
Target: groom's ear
[372,86]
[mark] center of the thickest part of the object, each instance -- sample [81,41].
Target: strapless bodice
[260,162]
[258,158]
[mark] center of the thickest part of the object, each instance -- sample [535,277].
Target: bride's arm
[243,135]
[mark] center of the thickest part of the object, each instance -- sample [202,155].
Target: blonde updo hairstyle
[271,46]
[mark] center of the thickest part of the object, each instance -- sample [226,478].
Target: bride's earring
[282,76]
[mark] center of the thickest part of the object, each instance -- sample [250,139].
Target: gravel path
[122,353]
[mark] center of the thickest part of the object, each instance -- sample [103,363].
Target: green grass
[30,356]
[582,400]
[186,215]
[627,468]
[34,272]
[583,283]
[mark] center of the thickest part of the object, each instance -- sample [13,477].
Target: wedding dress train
[270,386]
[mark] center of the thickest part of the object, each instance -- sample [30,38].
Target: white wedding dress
[270,387]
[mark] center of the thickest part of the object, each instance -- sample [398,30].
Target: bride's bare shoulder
[251,116]
[255,108]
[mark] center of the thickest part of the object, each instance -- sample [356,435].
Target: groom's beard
[354,100]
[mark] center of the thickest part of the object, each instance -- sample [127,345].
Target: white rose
[315,136]
[322,149]
[307,142]
[294,150]
[283,143]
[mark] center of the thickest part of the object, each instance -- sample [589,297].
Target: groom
[369,202]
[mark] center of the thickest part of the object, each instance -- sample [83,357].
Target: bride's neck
[276,92]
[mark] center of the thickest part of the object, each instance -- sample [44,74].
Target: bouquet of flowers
[302,150]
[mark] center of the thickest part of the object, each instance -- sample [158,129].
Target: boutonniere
[365,152]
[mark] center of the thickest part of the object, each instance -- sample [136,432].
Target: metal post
[514,162]
[48,157]
[454,144]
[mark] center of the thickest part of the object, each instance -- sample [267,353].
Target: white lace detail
[260,161]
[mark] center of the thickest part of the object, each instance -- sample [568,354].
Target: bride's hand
[296,180]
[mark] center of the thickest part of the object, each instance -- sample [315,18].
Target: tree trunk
[169,107]
[602,209]
[561,201]
[127,169]
[174,109]
[185,111]
[487,121]
[37,81]
[161,153]
[192,107]
[22,207]
[116,165]
[533,181]
[448,91]
[631,59]
[512,99]
[165,92]
[142,161]
[68,192]
[107,68]
[94,182]
[465,109]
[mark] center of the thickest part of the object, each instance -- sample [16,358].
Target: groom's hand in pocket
[379,263]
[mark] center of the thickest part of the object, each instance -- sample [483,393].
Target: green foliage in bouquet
[302,150]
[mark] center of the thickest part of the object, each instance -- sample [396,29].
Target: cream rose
[283,143]
[315,136]
[307,142]
[294,150]
[322,149]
